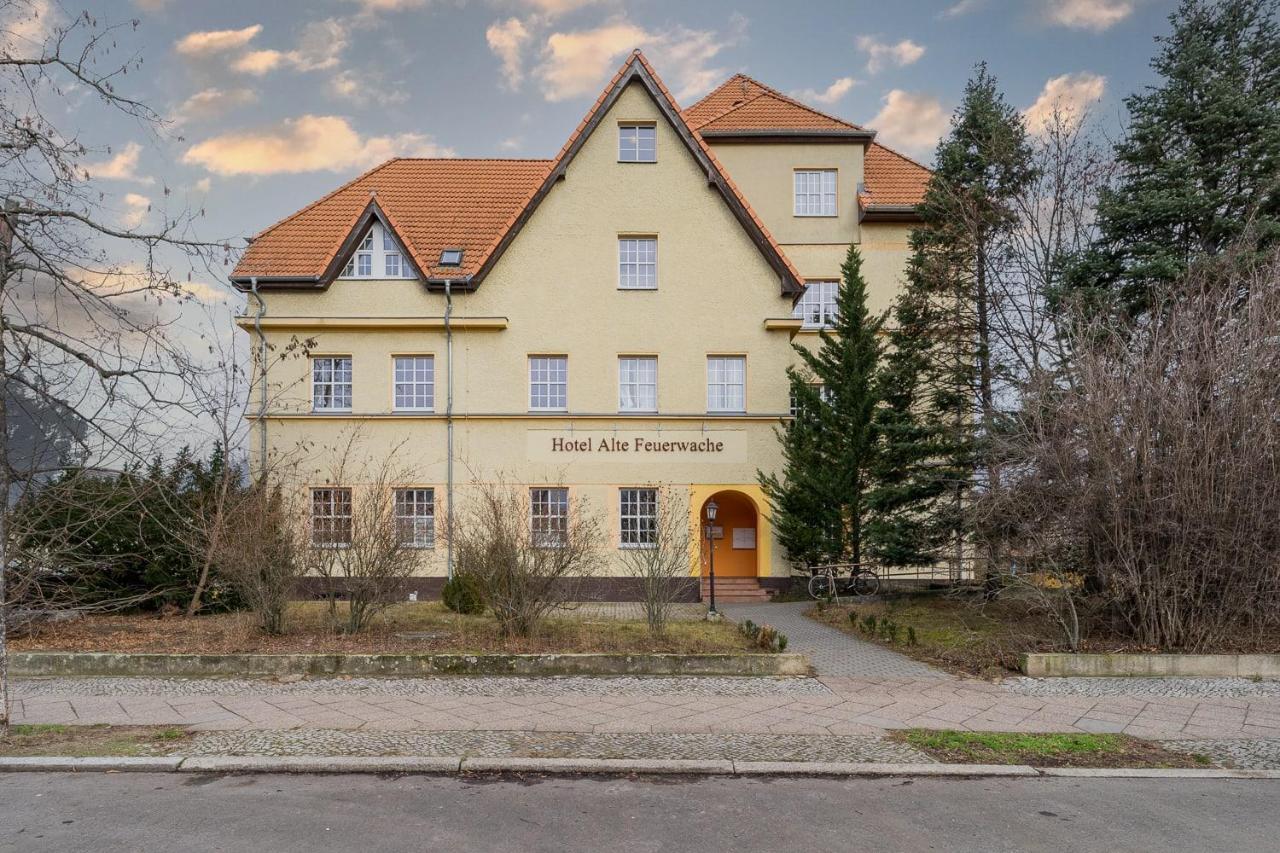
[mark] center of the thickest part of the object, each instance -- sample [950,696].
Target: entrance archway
[737,536]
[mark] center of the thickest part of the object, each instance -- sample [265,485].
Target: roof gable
[743,106]
[636,69]
[891,180]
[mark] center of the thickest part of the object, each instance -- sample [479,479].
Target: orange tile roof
[892,178]
[430,204]
[741,103]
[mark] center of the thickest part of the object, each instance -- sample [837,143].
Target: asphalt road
[109,812]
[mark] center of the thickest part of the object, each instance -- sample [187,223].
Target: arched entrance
[737,536]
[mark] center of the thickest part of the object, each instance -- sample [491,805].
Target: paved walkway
[833,652]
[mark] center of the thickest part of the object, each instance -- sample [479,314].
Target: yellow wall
[557,288]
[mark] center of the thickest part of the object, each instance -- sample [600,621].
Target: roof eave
[790,134]
[890,213]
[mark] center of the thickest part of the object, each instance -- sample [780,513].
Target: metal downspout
[262,375]
[448,419]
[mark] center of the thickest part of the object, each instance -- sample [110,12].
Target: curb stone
[450,764]
[98,764]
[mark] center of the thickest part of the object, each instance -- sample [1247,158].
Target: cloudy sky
[274,103]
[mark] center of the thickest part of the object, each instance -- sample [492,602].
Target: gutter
[448,419]
[262,370]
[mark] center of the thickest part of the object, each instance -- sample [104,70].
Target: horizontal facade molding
[790,135]
[630,419]
[380,323]
[784,324]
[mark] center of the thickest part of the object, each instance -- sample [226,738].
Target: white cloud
[558,7]
[1096,15]
[511,143]
[578,62]
[912,121]
[211,42]
[258,62]
[1066,98]
[213,102]
[151,5]
[964,7]
[203,185]
[136,209]
[352,87]
[882,54]
[829,95]
[308,143]
[507,40]
[372,6]
[320,46]
[122,166]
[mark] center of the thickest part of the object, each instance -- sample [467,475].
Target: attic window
[637,143]
[377,255]
[451,258]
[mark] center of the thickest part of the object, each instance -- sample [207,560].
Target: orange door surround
[735,511]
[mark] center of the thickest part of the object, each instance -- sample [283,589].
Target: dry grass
[80,741]
[438,630]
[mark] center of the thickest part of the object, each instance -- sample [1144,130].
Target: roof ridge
[360,177]
[471,160]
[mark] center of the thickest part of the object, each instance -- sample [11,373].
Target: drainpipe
[262,377]
[448,419]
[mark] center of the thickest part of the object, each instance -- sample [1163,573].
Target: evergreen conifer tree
[1200,164]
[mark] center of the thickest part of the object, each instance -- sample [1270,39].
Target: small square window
[548,383]
[637,143]
[638,263]
[815,192]
[394,266]
[364,264]
[451,258]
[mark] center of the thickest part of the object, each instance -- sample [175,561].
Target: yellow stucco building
[616,321]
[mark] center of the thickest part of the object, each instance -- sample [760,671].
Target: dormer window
[378,255]
[637,143]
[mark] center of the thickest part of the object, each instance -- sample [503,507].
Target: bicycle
[826,581]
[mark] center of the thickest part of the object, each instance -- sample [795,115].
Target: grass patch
[1045,750]
[85,741]
[404,628]
[957,632]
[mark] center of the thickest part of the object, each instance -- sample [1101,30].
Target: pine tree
[1200,164]
[983,166]
[829,447]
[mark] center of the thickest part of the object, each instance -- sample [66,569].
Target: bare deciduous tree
[660,557]
[81,279]
[528,568]
[1154,470]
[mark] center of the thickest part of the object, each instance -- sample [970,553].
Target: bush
[765,637]
[464,593]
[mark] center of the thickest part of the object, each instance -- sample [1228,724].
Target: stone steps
[735,590]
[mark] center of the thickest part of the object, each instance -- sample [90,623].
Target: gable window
[637,143]
[815,192]
[331,517]
[331,383]
[378,255]
[638,516]
[637,383]
[415,383]
[638,263]
[549,517]
[817,307]
[726,383]
[416,517]
[548,383]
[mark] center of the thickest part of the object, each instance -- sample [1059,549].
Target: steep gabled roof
[429,204]
[747,107]
[479,206]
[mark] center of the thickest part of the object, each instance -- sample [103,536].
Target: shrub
[464,593]
[765,637]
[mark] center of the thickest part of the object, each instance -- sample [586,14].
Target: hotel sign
[638,445]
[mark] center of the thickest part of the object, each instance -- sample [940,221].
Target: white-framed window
[637,143]
[377,256]
[637,383]
[549,516]
[638,516]
[726,383]
[549,383]
[331,383]
[638,263]
[817,307]
[815,192]
[823,394]
[331,517]
[416,517]
[415,383]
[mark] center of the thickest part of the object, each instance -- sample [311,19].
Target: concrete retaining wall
[200,666]
[1064,665]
